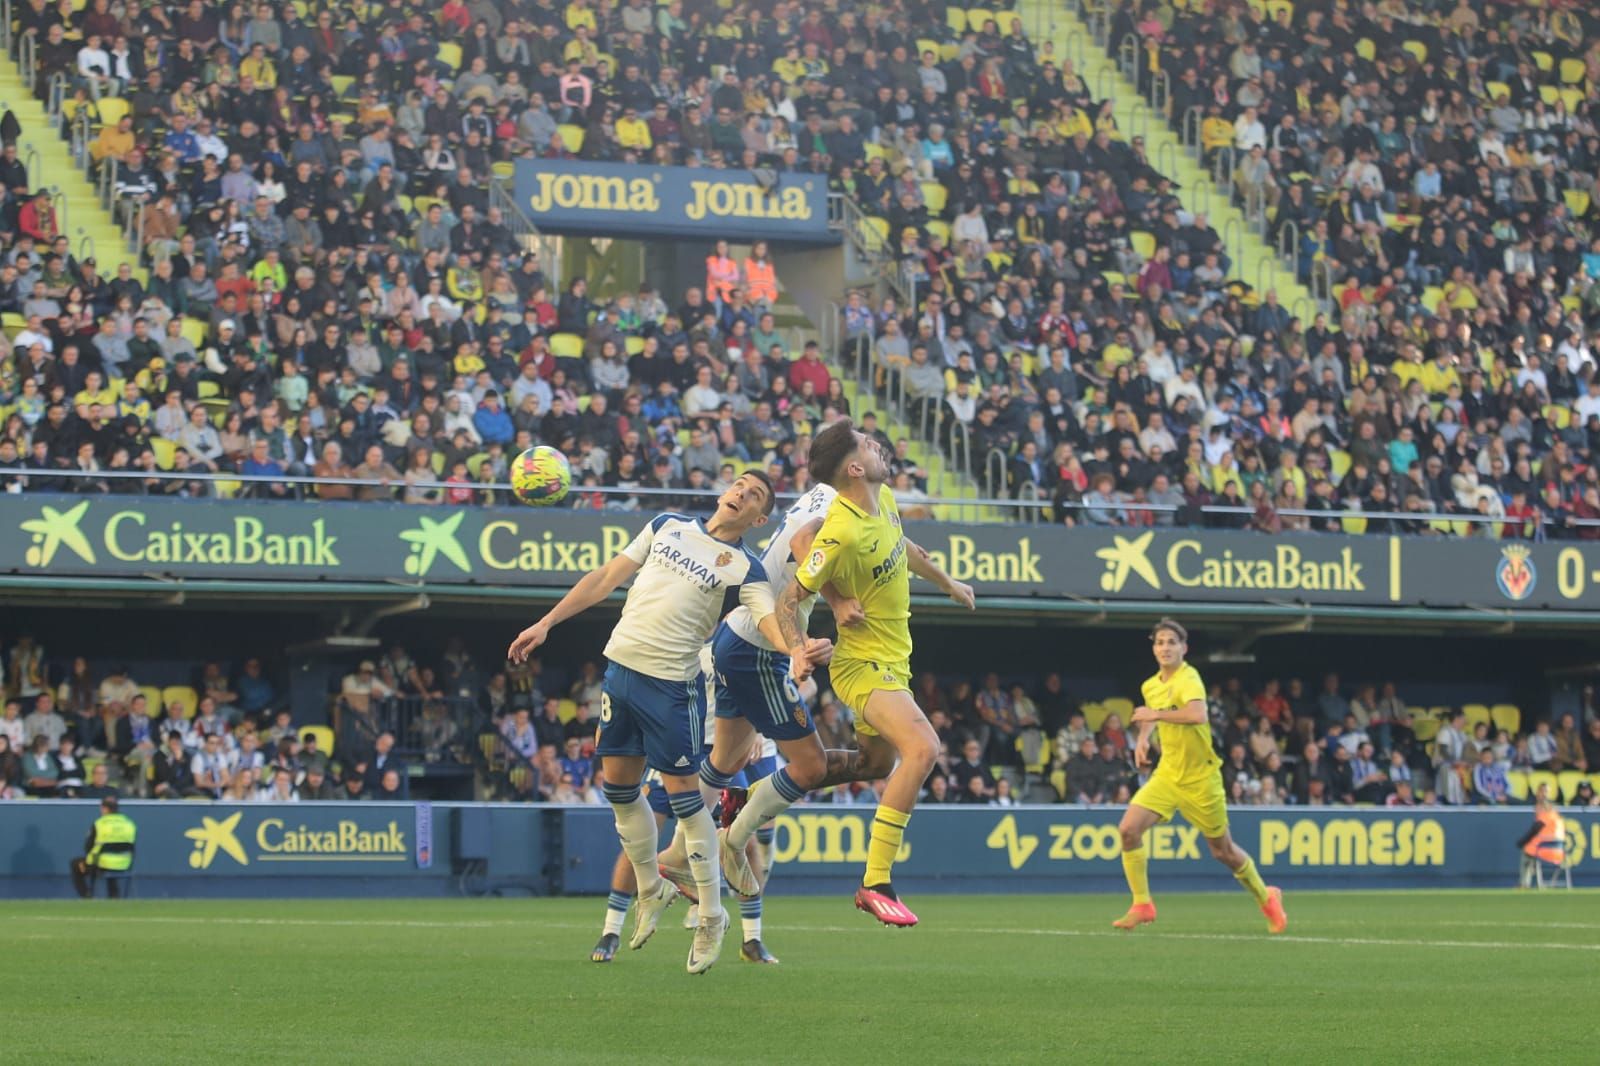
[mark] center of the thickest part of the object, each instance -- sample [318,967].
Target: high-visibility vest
[761,280]
[1550,843]
[113,842]
[722,277]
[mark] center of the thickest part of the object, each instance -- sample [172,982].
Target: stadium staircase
[944,480]
[48,158]
[1060,25]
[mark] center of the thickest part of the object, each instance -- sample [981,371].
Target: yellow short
[855,680]
[1201,802]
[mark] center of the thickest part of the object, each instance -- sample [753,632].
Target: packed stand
[70,731]
[326,286]
[1431,169]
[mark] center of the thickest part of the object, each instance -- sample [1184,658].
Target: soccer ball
[541,476]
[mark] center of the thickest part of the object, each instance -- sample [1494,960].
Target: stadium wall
[420,849]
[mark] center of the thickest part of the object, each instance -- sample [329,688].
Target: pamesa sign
[119,536]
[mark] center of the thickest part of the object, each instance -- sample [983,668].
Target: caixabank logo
[99,534]
[220,843]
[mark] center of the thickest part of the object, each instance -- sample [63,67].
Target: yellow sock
[1136,868]
[888,828]
[1247,876]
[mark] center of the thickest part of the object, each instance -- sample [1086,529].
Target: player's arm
[846,609]
[1191,713]
[591,588]
[923,566]
[786,616]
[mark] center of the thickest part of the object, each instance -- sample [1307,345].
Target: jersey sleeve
[639,549]
[756,592]
[1188,687]
[828,550]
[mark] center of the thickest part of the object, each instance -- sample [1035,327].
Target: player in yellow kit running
[1187,780]
[863,553]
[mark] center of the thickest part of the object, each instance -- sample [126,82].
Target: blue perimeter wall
[422,850]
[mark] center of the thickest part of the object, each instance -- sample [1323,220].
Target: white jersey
[687,581]
[780,564]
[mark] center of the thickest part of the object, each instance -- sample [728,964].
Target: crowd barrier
[421,849]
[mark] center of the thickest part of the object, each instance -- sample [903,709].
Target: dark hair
[1171,626]
[829,450]
[109,803]
[772,493]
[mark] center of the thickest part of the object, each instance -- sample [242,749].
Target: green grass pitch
[1450,977]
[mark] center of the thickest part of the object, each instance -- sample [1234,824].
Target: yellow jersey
[1186,751]
[864,556]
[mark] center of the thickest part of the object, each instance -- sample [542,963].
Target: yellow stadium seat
[493,754]
[566,346]
[227,490]
[1275,6]
[1058,781]
[521,776]
[1594,781]
[1094,715]
[166,451]
[1353,524]
[1549,94]
[956,19]
[1432,297]
[1497,89]
[1418,50]
[875,233]
[1425,728]
[1518,782]
[112,109]
[449,54]
[1569,780]
[1544,61]
[503,171]
[1338,463]
[1572,71]
[934,196]
[182,695]
[1006,19]
[938,228]
[194,331]
[633,345]
[209,390]
[1550,781]
[571,137]
[323,734]
[1506,717]
[926,45]
[1120,706]
[1577,202]
[977,16]
[1558,417]
[566,710]
[342,84]
[1475,712]
[1366,49]
[1572,96]
[1143,243]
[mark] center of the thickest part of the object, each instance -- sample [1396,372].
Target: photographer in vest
[107,850]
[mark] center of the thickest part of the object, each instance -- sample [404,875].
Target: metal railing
[1290,232]
[1160,93]
[1189,129]
[523,229]
[1222,171]
[1016,508]
[414,722]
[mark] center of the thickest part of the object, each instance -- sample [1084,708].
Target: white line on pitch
[535,924]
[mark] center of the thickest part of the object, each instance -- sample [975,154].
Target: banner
[369,849]
[626,200]
[123,536]
[1064,848]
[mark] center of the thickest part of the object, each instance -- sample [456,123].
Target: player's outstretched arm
[591,588]
[786,614]
[923,566]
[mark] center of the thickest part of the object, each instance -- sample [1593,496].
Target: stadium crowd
[326,287]
[71,732]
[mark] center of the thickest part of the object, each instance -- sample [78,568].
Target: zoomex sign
[625,200]
[109,536]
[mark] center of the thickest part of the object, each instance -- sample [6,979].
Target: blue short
[659,800]
[660,720]
[754,684]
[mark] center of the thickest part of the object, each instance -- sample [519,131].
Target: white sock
[700,836]
[765,803]
[711,795]
[614,920]
[636,828]
[752,928]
